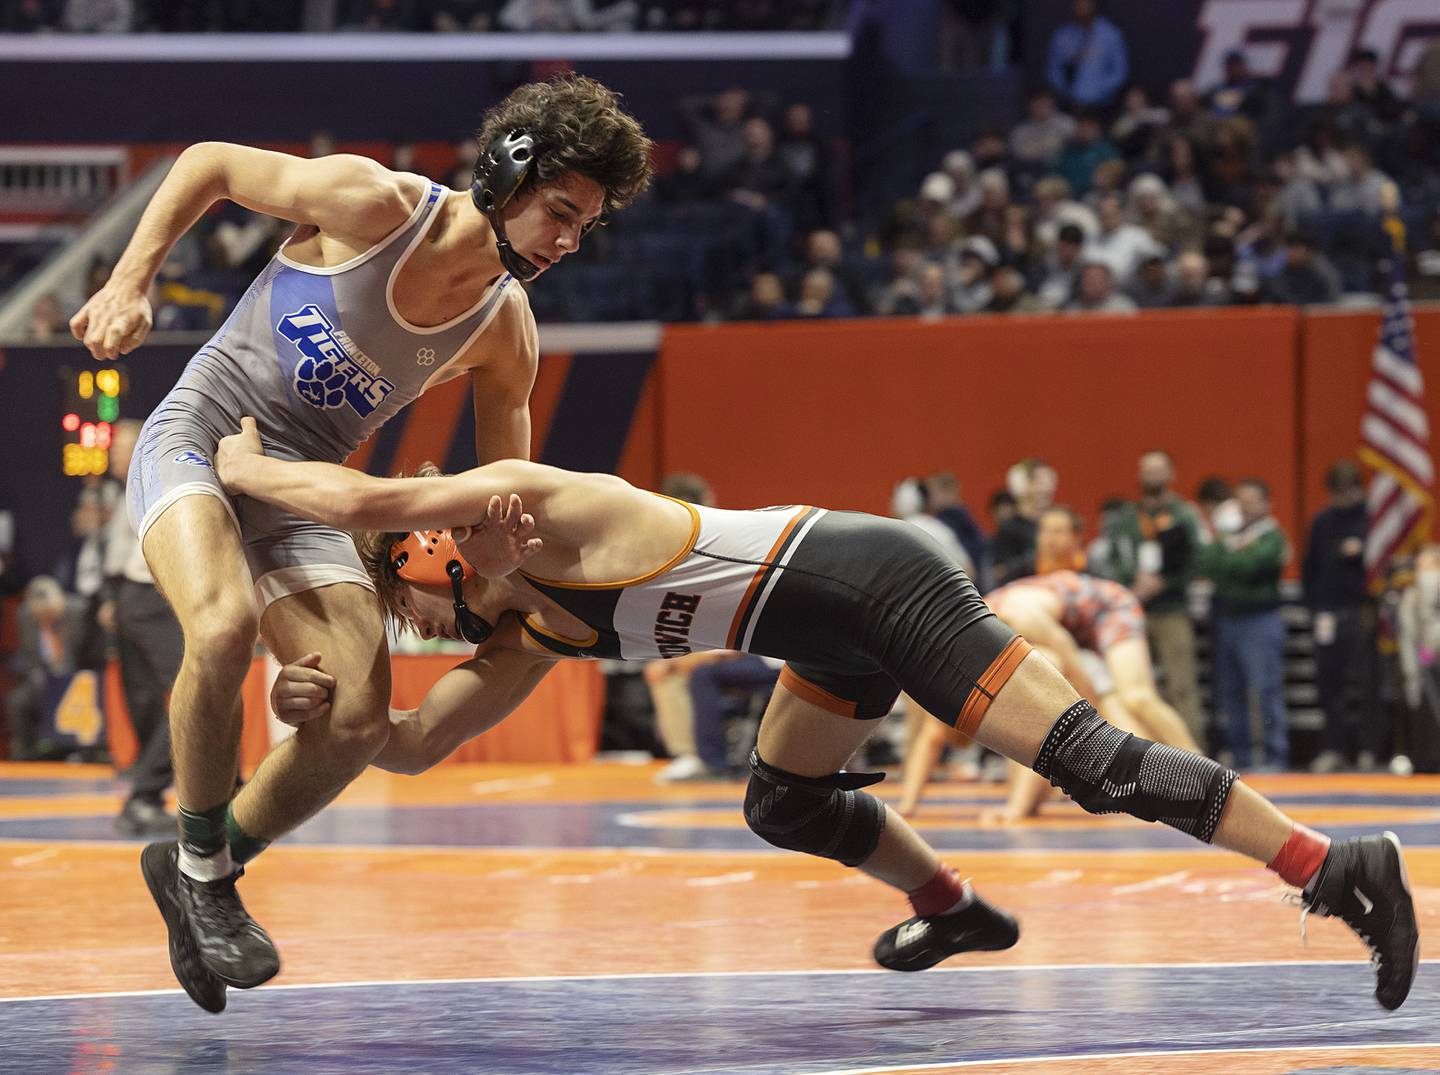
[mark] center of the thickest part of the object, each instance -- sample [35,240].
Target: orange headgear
[431,558]
[423,556]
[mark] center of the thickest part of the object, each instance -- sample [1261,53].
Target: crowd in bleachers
[1224,195]
[401,16]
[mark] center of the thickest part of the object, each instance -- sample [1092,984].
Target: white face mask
[1428,583]
[1226,518]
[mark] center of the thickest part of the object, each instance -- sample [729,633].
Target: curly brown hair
[578,126]
[374,549]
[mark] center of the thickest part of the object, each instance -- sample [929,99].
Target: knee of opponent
[358,726]
[1108,771]
[225,630]
[825,816]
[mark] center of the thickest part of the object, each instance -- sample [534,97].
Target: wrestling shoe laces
[1364,882]
[232,944]
[920,942]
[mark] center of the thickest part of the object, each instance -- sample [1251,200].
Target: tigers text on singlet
[321,357]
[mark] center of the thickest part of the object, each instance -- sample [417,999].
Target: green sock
[243,846]
[203,833]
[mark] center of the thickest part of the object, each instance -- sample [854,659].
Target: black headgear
[500,172]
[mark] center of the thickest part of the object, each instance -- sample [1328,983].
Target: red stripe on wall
[544,397]
[430,425]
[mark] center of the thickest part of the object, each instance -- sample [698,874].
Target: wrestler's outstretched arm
[339,496]
[466,701]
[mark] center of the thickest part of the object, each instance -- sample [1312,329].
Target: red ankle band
[939,894]
[1301,856]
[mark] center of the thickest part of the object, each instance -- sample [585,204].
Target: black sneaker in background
[231,943]
[1363,881]
[919,943]
[158,864]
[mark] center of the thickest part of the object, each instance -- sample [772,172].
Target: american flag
[1396,436]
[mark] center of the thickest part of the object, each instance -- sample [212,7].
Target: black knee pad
[826,816]
[1108,771]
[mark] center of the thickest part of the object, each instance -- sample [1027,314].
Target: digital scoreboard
[90,407]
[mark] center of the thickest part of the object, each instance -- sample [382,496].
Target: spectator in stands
[48,323]
[1231,161]
[976,259]
[1002,508]
[1152,545]
[1134,129]
[1032,484]
[717,127]
[1150,287]
[50,625]
[1097,292]
[1119,243]
[810,164]
[1087,61]
[1370,90]
[1038,139]
[990,150]
[1240,92]
[98,16]
[1260,249]
[758,179]
[1009,295]
[1181,171]
[990,218]
[1342,617]
[1308,278]
[1107,179]
[1249,633]
[1060,275]
[819,297]
[823,250]
[959,166]
[1151,207]
[149,643]
[80,568]
[910,502]
[1054,208]
[1097,553]
[1083,152]
[763,301]
[1194,286]
[944,501]
[1419,648]
[1189,119]
[926,293]
[686,182]
[1361,187]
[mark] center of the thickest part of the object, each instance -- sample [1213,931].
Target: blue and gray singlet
[321,358]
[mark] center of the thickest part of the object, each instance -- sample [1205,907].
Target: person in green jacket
[1152,544]
[1249,634]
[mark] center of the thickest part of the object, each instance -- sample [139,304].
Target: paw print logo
[425,356]
[320,383]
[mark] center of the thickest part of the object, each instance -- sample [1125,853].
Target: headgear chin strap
[500,171]
[431,558]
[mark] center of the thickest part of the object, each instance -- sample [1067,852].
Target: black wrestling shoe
[232,945]
[158,864]
[919,943]
[1363,881]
